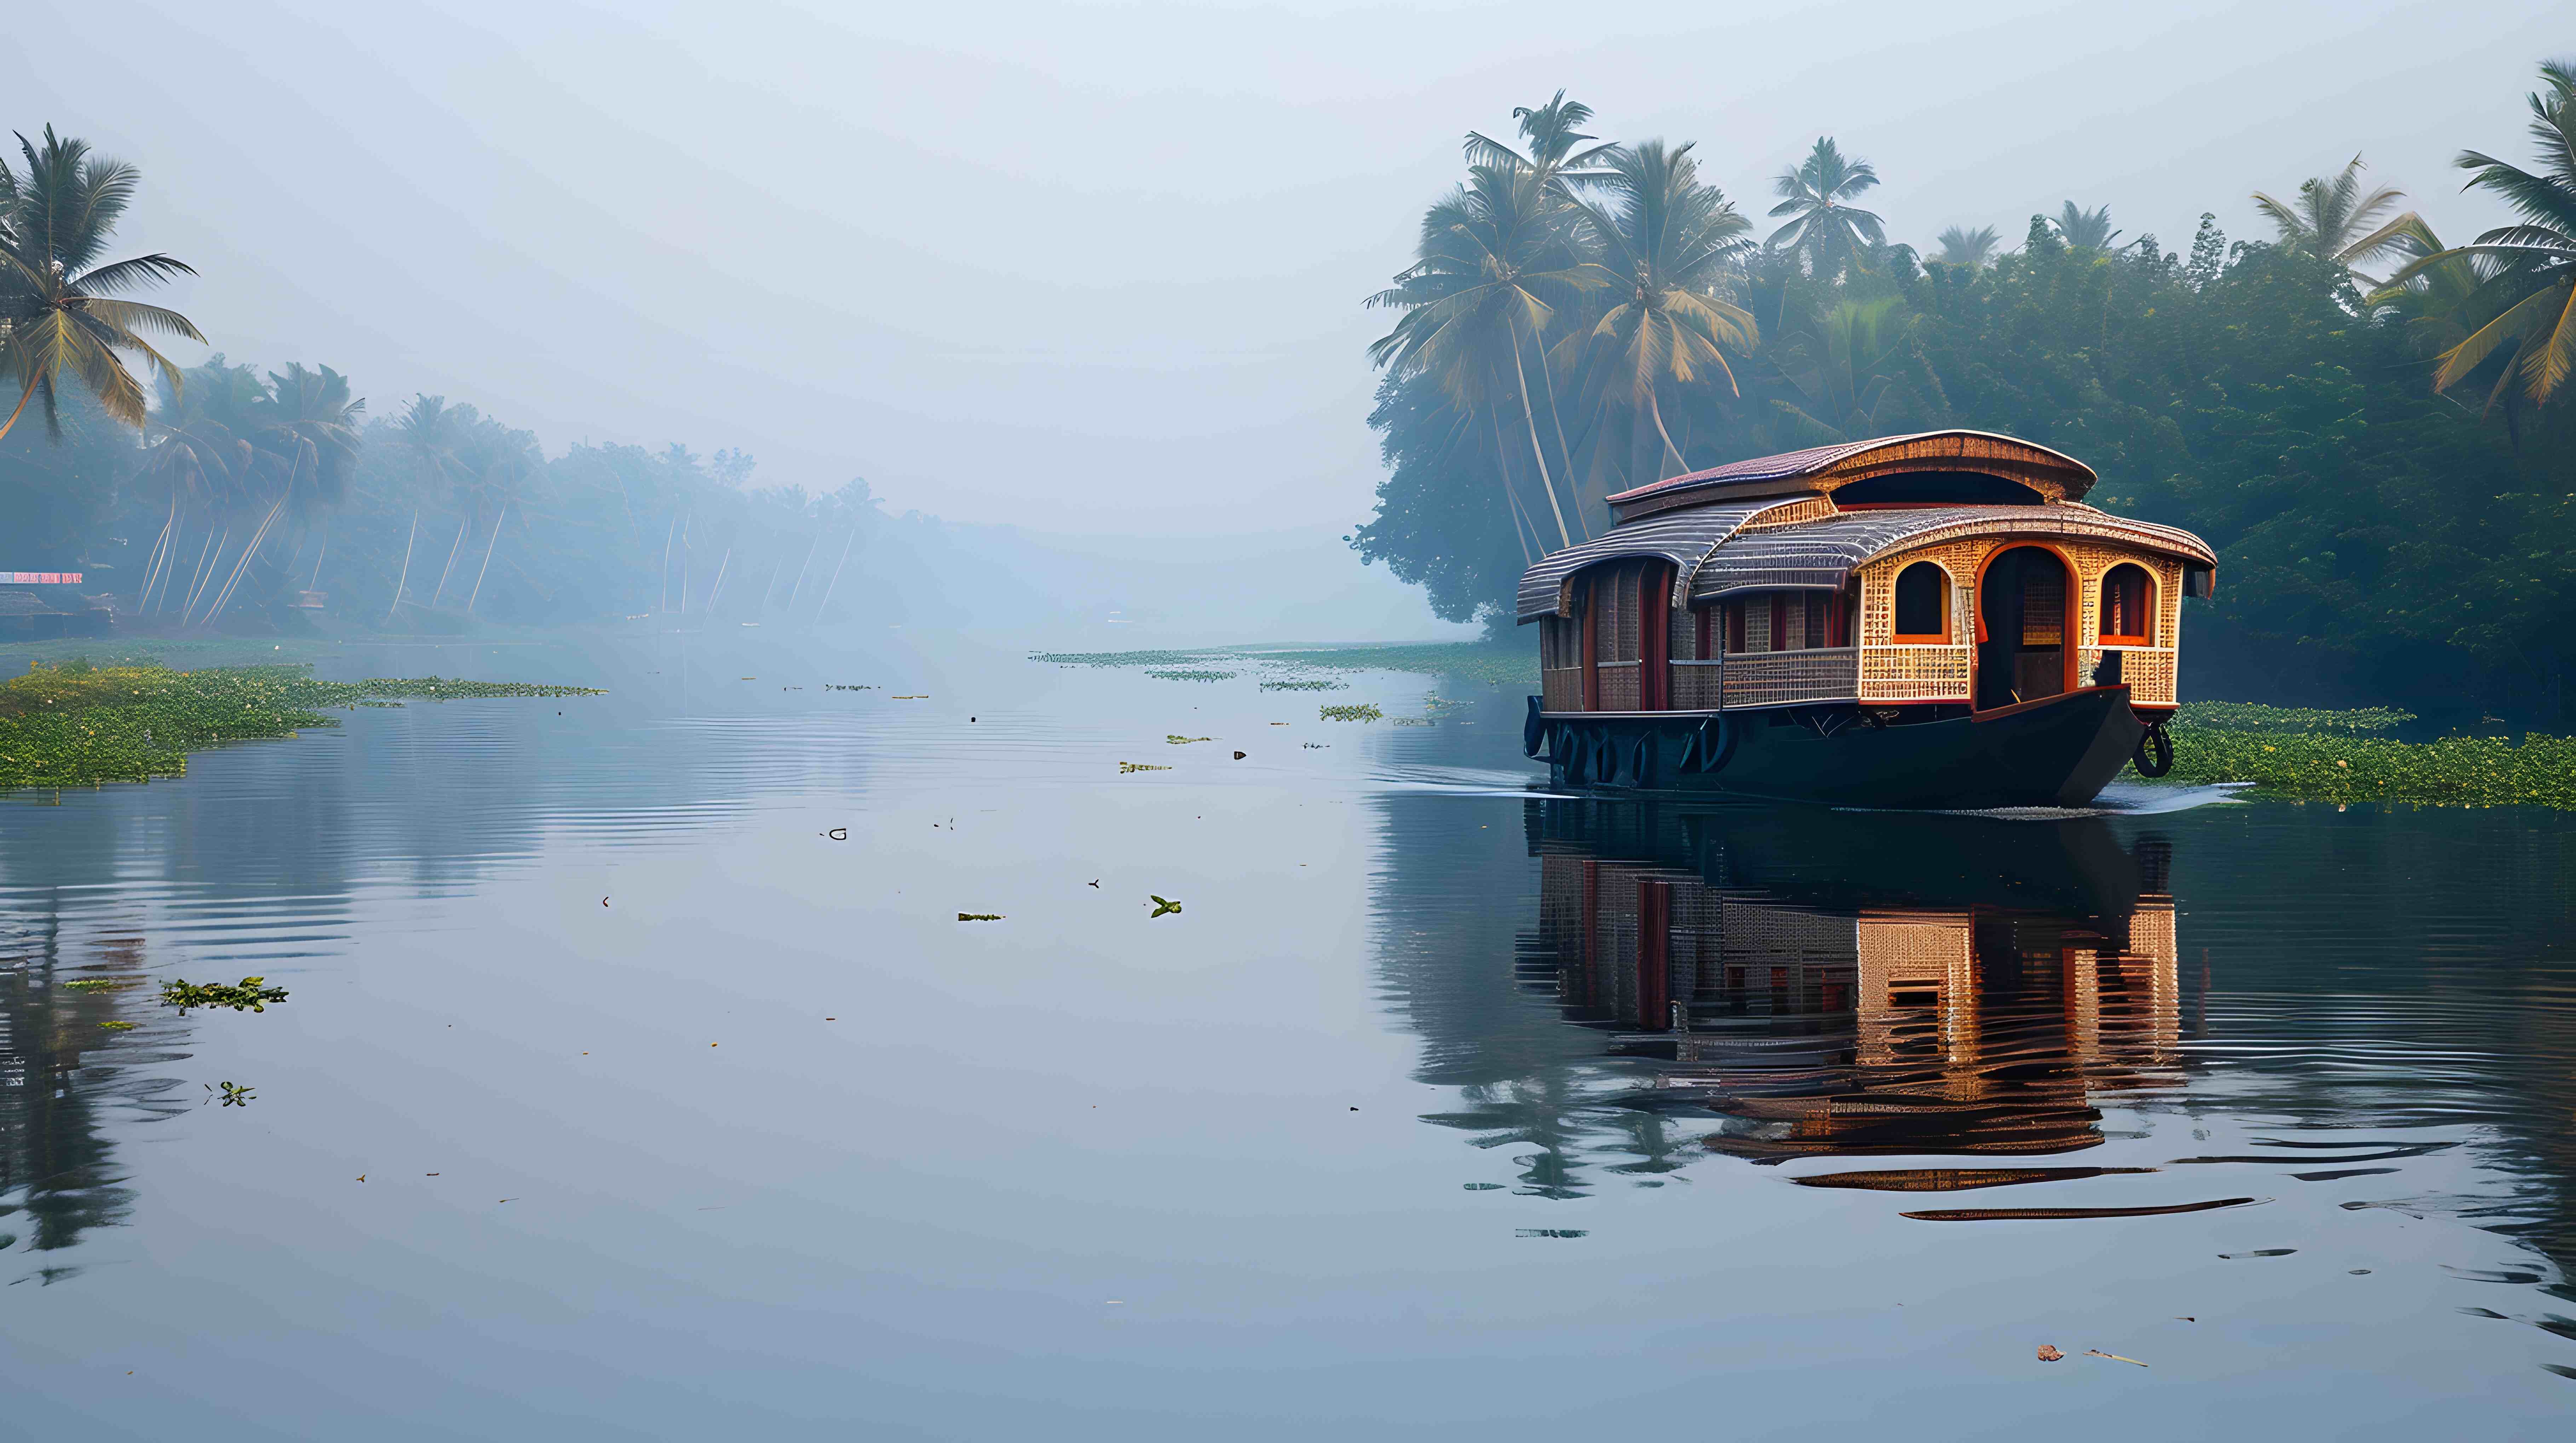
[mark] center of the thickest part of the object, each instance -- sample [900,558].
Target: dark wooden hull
[2058,751]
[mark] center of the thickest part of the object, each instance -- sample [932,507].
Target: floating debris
[979,916]
[1550,1233]
[100,984]
[248,995]
[2114,1357]
[2049,1354]
[917,696]
[1238,756]
[236,1095]
[838,834]
[2262,1253]
[118,1026]
[1305,686]
[1178,740]
[1191,675]
[836,686]
[1126,767]
[1162,906]
[1361,712]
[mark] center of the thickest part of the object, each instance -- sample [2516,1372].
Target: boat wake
[2119,799]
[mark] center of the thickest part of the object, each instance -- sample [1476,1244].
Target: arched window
[2128,606]
[1923,604]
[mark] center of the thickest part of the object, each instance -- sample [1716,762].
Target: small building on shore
[41,605]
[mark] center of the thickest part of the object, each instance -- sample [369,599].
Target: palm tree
[315,409]
[1550,133]
[498,465]
[1671,245]
[1971,248]
[427,430]
[201,450]
[2433,303]
[2084,229]
[1847,373]
[2335,219]
[1828,232]
[1490,256]
[59,311]
[2528,285]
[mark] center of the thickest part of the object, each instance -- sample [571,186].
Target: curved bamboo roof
[1726,547]
[1824,554]
[2053,474]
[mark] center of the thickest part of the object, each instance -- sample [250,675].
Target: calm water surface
[638,1081]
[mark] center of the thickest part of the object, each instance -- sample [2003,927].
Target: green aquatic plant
[2539,771]
[118,1026]
[1188,675]
[73,724]
[1311,685]
[100,984]
[1359,712]
[2250,716]
[1163,906]
[246,995]
[1178,740]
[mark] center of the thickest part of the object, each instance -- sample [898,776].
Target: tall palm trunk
[662,597]
[440,594]
[793,591]
[1503,477]
[1544,482]
[405,579]
[198,578]
[160,555]
[224,596]
[1656,410]
[836,575]
[497,519]
[1564,453]
[716,592]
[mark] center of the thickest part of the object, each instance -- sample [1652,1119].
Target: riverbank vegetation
[78,725]
[2330,756]
[227,497]
[2370,424]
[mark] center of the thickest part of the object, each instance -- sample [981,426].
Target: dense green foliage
[76,725]
[2323,761]
[2377,538]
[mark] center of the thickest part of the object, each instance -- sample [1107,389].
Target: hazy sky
[1096,268]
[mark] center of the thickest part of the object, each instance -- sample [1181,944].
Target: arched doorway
[2022,606]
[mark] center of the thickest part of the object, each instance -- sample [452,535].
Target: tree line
[2369,423]
[218,495]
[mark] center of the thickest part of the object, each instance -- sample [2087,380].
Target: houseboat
[1925,621]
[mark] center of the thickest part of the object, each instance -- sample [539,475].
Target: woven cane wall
[1946,673]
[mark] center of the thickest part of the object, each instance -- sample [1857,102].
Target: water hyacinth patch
[246,995]
[2329,762]
[76,725]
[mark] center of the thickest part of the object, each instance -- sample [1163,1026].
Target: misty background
[1080,284]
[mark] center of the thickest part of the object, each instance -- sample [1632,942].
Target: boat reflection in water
[1842,983]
